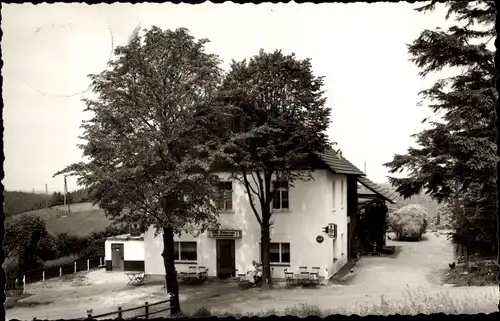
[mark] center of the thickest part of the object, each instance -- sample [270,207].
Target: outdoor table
[135,277]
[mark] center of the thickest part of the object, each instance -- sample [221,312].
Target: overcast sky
[372,88]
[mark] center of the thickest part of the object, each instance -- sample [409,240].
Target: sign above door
[225,234]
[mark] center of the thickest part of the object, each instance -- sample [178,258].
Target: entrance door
[225,258]
[117,257]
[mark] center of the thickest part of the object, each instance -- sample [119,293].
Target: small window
[280,200]
[278,253]
[225,200]
[342,192]
[185,251]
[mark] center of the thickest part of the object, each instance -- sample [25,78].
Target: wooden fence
[120,312]
[83,264]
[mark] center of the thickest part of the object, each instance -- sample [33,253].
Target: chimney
[339,154]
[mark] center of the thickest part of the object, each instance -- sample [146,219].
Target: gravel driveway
[418,266]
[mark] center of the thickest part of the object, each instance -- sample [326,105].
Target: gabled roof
[339,165]
[370,186]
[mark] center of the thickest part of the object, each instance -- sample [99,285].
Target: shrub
[10,266]
[409,221]
[303,310]
[202,312]
[27,240]
[67,245]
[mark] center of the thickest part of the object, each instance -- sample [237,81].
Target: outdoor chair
[193,272]
[303,275]
[314,275]
[202,272]
[289,279]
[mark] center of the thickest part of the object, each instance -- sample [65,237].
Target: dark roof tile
[390,196]
[339,165]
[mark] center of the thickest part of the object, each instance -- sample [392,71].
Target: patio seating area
[303,276]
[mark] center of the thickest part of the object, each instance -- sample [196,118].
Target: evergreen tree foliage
[457,157]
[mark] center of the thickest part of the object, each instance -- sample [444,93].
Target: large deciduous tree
[457,158]
[277,119]
[146,143]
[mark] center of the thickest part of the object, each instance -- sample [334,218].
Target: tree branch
[246,183]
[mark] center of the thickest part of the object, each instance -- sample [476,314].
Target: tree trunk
[170,272]
[466,258]
[266,266]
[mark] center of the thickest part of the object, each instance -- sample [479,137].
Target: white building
[299,214]
[124,253]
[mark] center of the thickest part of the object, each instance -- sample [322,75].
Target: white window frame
[280,251]
[224,208]
[178,244]
[280,191]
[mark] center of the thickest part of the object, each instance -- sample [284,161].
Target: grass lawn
[412,302]
[480,273]
[80,222]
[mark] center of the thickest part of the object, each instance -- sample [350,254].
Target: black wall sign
[319,239]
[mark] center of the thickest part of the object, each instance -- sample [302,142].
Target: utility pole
[47,194]
[65,193]
[365,167]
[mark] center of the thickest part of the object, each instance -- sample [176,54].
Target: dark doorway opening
[225,258]
[117,257]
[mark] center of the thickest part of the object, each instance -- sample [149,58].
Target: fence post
[43,276]
[100,260]
[60,271]
[120,312]
[24,283]
[75,266]
[88,265]
[146,308]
